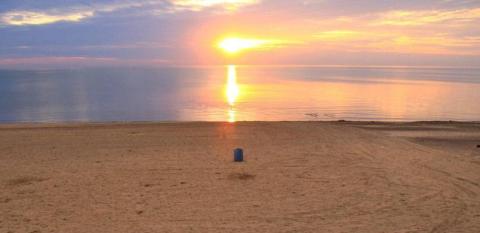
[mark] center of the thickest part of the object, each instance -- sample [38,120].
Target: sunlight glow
[235,45]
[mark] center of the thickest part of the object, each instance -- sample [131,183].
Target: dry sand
[298,177]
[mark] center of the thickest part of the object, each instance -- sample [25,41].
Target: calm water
[238,93]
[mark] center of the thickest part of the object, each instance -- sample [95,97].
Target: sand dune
[298,177]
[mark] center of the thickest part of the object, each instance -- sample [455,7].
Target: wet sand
[298,177]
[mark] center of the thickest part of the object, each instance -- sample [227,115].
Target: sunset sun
[236,45]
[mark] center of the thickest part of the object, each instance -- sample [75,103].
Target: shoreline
[80,123]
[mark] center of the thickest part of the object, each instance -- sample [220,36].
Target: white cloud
[19,18]
[197,5]
[79,13]
[416,18]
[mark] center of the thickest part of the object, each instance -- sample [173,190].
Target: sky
[71,33]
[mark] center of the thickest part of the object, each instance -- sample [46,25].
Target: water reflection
[215,94]
[231,115]
[232,91]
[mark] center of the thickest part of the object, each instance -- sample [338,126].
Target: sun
[235,45]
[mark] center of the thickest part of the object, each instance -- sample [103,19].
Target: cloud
[382,40]
[339,35]
[78,13]
[439,32]
[186,31]
[74,13]
[425,17]
[197,5]
[19,18]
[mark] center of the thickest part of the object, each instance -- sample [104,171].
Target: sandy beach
[297,177]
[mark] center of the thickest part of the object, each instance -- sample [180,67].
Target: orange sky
[187,32]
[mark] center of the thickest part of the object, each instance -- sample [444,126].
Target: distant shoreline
[237,122]
[238,65]
[85,125]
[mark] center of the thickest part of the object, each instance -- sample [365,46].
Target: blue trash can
[238,155]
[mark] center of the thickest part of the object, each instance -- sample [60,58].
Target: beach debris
[25,180]
[238,155]
[478,146]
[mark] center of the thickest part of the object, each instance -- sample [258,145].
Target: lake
[240,93]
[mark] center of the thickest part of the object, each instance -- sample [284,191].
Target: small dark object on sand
[238,155]
[478,146]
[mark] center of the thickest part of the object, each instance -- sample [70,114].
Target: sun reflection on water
[231,115]
[232,91]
